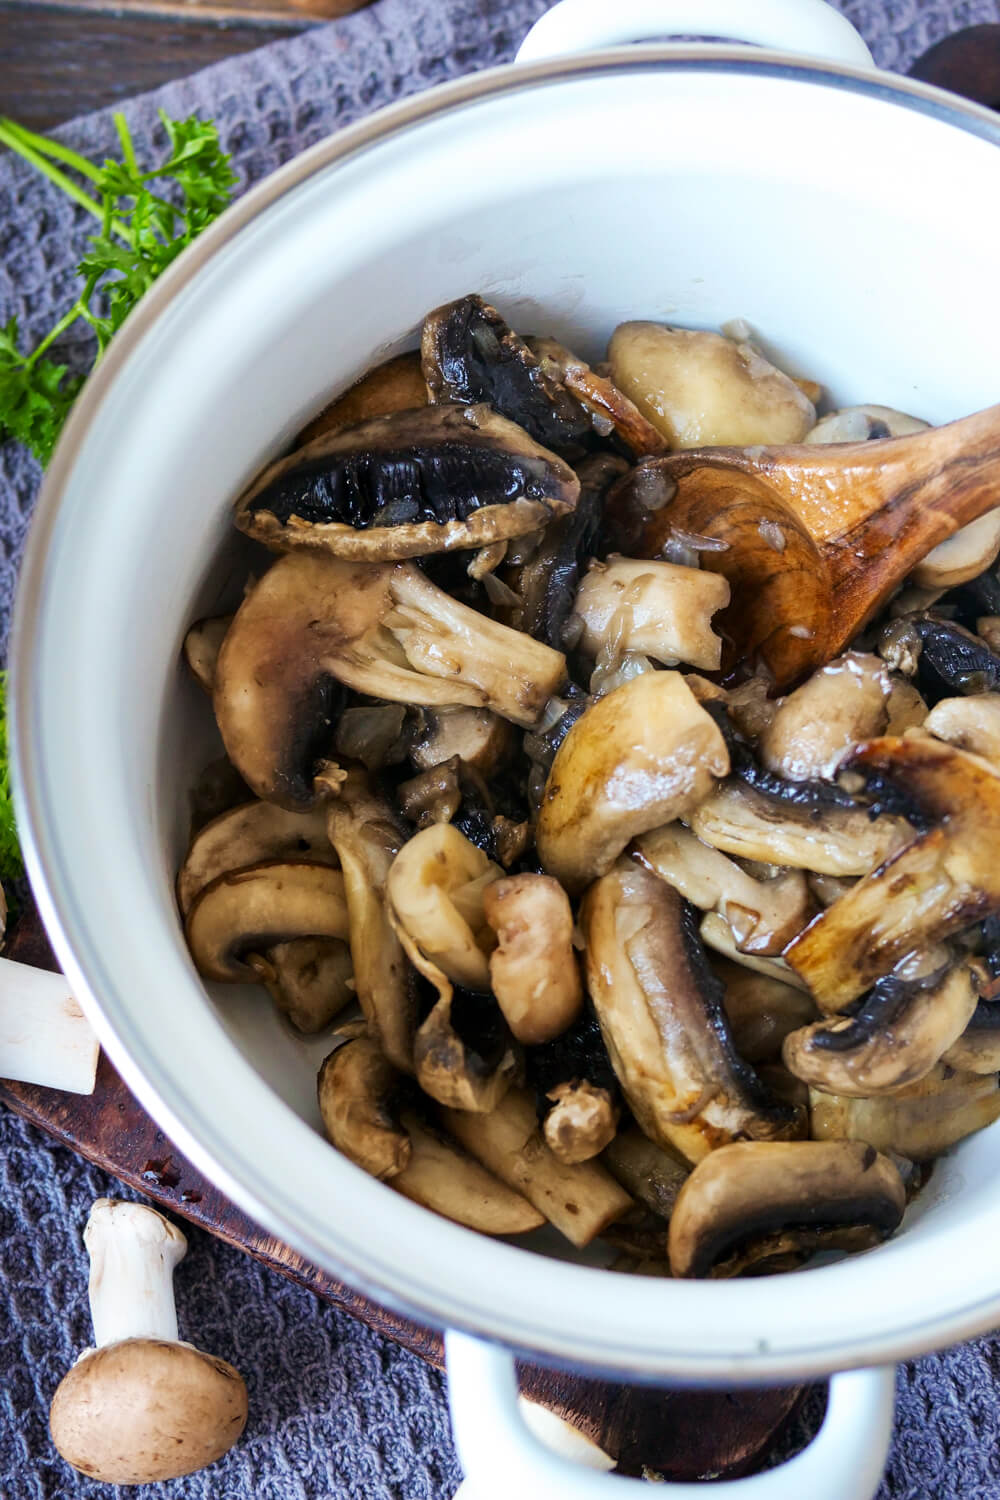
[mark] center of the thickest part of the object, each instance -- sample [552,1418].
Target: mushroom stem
[133,1251]
[44,1036]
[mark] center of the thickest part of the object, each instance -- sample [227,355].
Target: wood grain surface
[682,1434]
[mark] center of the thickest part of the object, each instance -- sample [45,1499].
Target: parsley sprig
[142,230]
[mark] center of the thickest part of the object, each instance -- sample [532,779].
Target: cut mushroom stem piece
[141,1406]
[716,933]
[639,757]
[357,1090]
[579,1200]
[533,969]
[764,915]
[447,1180]
[655,608]
[248,835]
[249,911]
[582,1121]
[895,1039]
[464,1056]
[937,885]
[661,1014]
[919,1121]
[653,1176]
[45,1038]
[790,1195]
[409,484]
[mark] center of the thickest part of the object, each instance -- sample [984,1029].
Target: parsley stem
[46,147]
[125,138]
[22,148]
[64,322]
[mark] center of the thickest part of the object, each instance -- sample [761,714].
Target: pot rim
[161,1089]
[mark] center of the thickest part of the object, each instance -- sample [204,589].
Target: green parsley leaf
[11,862]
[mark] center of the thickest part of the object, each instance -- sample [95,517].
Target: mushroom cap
[248,835]
[144,1410]
[248,911]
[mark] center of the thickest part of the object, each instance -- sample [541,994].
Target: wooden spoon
[818,535]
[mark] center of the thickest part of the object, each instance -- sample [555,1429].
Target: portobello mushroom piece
[436,887]
[408,484]
[248,835]
[953,660]
[903,1028]
[309,979]
[367,835]
[761,1010]
[971,724]
[651,1174]
[315,624]
[639,757]
[357,1091]
[746,1201]
[839,841]
[396,385]
[764,915]
[544,584]
[246,912]
[470,355]
[477,736]
[934,887]
[920,1121]
[533,970]
[580,1200]
[654,608]
[611,411]
[201,648]
[812,729]
[661,1014]
[716,933]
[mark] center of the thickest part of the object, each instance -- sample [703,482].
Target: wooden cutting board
[681,1434]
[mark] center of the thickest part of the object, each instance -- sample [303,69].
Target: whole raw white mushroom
[141,1406]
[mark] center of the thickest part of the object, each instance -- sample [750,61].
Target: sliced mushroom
[761,1010]
[813,728]
[582,1121]
[248,911]
[902,1029]
[905,708]
[372,733]
[920,1121]
[838,841]
[367,836]
[971,724]
[655,608]
[716,933]
[793,1195]
[309,979]
[954,660]
[469,354]
[579,1200]
[977,1050]
[477,736]
[434,796]
[442,1177]
[860,424]
[661,1014]
[962,557]
[464,1056]
[533,970]
[201,648]
[611,411]
[357,1091]
[396,385]
[988,628]
[641,756]
[248,835]
[699,388]
[408,484]
[764,914]
[941,882]
[314,622]
[436,887]
[652,1175]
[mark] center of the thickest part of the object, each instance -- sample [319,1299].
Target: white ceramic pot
[851,216]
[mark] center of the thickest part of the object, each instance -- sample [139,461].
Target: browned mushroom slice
[314,622]
[477,736]
[396,385]
[814,727]
[201,648]
[654,608]
[445,1179]
[408,484]
[310,979]
[582,1121]
[971,724]
[745,1202]
[435,888]
[463,1053]
[762,1010]
[533,969]
[641,756]
[937,885]
[651,1174]
[247,835]
[661,1014]
[357,1090]
[610,409]
[367,836]
[900,1032]
[716,933]
[372,733]
[434,796]
[579,1200]
[977,1050]
[764,915]
[919,1121]
[247,911]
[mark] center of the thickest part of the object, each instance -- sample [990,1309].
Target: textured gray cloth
[334,1410]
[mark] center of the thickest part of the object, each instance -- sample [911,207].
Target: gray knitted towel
[335,1411]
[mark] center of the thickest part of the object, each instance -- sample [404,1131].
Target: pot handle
[501,1456]
[810,27]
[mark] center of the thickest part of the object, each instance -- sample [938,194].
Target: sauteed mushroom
[860,424]
[655,608]
[812,729]
[969,724]
[396,385]
[408,484]
[248,835]
[919,1121]
[201,648]
[761,1010]
[533,970]
[436,886]
[247,912]
[356,1090]
[309,979]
